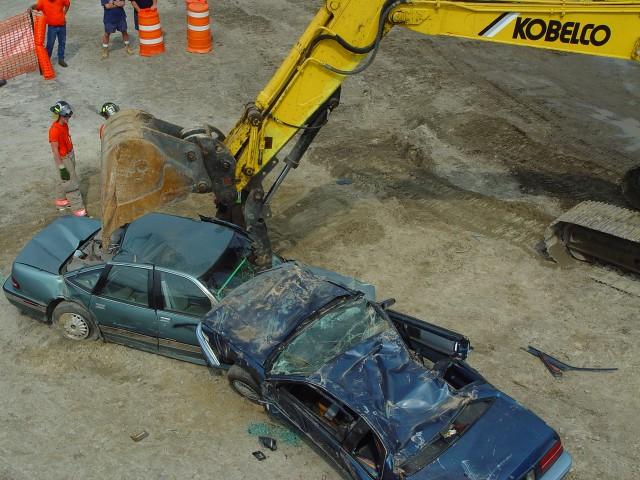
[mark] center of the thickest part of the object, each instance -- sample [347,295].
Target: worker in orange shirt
[68,188]
[54,13]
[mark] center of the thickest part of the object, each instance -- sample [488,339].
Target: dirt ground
[460,154]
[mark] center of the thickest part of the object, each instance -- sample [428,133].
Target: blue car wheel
[244,384]
[74,322]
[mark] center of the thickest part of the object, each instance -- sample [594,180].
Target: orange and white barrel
[151,39]
[199,38]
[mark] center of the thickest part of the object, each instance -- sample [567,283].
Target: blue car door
[181,305]
[121,304]
[325,421]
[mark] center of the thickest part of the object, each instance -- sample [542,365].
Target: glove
[64,173]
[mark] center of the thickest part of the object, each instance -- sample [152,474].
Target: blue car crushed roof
[287,332]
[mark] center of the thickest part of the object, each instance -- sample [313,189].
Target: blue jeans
[61,34]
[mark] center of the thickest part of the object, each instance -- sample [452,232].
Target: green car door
[182,302]
[121,304]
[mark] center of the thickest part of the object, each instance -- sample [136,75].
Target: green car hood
[53,245]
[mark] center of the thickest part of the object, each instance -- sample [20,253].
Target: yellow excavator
[147,162]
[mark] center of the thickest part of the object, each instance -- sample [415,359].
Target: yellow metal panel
[608,29]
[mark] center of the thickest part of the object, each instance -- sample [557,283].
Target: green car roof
[177,243]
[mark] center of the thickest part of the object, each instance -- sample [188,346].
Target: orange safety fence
[17,46]
[39,28]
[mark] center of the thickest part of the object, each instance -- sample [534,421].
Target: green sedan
[148,292]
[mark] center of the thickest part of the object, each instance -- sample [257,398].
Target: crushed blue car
[381,394]
[148,292]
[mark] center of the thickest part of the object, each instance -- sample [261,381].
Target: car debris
[269,442]
[259,455]
[556,367]
[137,437]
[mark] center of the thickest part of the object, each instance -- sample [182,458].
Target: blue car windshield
[346,325]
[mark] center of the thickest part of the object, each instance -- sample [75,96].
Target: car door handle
[165,319]
[100,306]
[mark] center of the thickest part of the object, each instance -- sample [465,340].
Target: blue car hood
[53,245]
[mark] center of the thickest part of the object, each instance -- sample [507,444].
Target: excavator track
[594,231]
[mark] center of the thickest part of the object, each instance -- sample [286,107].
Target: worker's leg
[62,41]
[125,36]
[105,43]
[51,38]
[61,195]
[72,187]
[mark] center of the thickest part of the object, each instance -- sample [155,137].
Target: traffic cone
[151,40]
[198,29]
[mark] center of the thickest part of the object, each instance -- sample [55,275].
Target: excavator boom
[160,162]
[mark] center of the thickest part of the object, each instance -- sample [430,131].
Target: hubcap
[74,326]
[246,391]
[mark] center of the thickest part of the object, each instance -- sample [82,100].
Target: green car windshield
[243,272]
[231,269]
[333,333]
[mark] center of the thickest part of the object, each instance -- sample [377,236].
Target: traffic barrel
[150,31]
[199,39]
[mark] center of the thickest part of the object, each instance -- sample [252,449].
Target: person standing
[139,5]
[68,188]
[55,12]
[114,19]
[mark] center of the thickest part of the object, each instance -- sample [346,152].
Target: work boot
[62,63]
[129,50]
[105,52]
[61,204]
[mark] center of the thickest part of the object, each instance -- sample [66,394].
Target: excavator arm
[148,162]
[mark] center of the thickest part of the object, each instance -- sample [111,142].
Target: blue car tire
[244,384]
[74,322]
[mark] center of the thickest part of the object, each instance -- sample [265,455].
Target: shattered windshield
[335,332]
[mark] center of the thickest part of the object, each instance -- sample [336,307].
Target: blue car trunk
[503,444]
[53,245]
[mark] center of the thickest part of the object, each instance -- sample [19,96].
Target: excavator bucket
[148,163]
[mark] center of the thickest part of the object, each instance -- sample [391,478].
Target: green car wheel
[74,322]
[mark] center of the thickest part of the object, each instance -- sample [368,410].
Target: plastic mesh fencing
[17,48]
